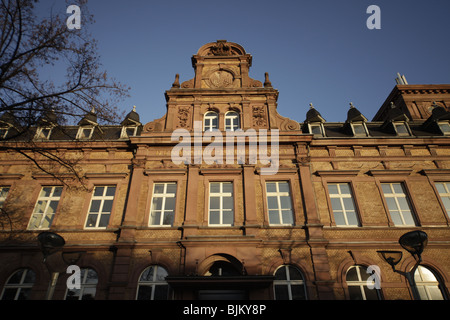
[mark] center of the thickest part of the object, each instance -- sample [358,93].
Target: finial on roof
[393,105]
[311,106]
[93,110]
[267,82]
[351,105]
[176,83]
[134,108]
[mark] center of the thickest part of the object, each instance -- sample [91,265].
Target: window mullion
[100,210]
[163,207]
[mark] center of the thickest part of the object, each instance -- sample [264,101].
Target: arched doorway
[222,266]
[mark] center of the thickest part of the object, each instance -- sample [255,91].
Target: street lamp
[414,242]
[49,244]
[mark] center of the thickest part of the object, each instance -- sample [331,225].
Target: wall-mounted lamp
[414,242]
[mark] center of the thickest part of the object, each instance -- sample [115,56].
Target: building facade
[224,198]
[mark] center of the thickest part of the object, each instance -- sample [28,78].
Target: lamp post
[49,244]
[414,242]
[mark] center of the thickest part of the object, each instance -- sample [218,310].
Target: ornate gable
[222,85]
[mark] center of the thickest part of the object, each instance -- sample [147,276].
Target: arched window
[211,121]
[88,286]
[289,284]
[152,284]
[427,284]
[356,278]
[232,121]
[18,286]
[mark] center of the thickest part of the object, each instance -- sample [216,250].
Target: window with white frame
[128,131]
[211,121]
[43,133]
[3,132]
[88,286]
[85,132]
[445,127]
[444,192]
[152,284]
[162,210]
[359,129]
[100,207]
[232,121]
[356,280]
[221,204]
[398,204]
[289,284]
[279,203]
[402,128]
[427,284]
[343,205]
[19,285]
[3,195]
[316,129]
[45,208]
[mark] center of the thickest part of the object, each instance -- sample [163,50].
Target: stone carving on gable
[221,48]
[183,117]
[259,116]
[255,83]
[220,79]
[287,124]
[188,84]
[155,125]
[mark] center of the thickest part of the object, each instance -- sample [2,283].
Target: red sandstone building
[143,226]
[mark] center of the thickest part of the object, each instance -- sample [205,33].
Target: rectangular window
[3,132]
[3,194]
[445,127]
[221,204]
[343,205]
[316,129]
[43,133]
[402,129]
[444,192]
[398,204]
[85,132]
[279,203]
[359,129]
[45,208]
[162,211]
[101,206]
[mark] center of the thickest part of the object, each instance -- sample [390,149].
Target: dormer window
[315,122]
[402,129]
[316,129]
[445,127]
[3,132]
[359,129]
[43,134]
[211,121]
[232,122]
[85,133]
[128,131]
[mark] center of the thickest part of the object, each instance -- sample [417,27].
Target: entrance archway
[221,265]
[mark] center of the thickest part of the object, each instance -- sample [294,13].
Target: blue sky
[318,52]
